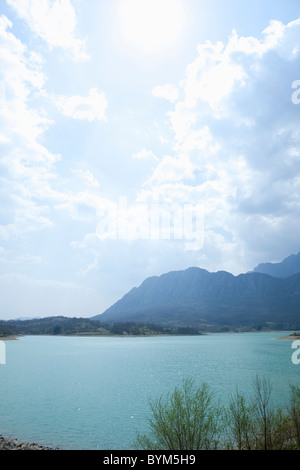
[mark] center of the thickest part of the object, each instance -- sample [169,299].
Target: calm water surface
[92,393]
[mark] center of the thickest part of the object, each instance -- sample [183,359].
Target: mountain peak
[288,267]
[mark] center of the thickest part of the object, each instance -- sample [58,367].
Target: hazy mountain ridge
[196,296]
[286,268]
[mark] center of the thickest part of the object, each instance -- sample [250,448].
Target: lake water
[92,393]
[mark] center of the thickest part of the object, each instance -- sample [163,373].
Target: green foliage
[191,419]
[185,420]
[239,420]
[294,412]
[85,326]
[254,424]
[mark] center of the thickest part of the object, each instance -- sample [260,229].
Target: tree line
[61,325]
[191,419]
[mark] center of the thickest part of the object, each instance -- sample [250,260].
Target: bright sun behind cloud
[151,25]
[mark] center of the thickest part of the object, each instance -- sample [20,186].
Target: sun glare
[151,25]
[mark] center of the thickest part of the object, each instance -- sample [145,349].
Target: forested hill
[65,326]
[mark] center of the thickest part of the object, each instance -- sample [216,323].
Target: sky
[139,137]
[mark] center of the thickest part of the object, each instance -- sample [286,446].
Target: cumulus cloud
[87,176]
[26,164]
[236,145]
[144,154]
[53,21]
[169,92]
[90,108]
[31,186]
[173,169]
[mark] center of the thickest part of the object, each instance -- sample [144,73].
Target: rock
[14,444]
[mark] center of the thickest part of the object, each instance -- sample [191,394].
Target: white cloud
[27,164]
[29,176]
[84,206]
[144,155]
[173,169]
[212,76]
[90,108]
[169,92]
[54,21]
[87,175]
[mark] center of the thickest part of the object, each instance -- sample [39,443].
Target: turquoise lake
[92,393]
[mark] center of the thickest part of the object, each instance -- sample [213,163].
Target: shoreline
[9,338]
[14,444]
[291,337]
[206,333]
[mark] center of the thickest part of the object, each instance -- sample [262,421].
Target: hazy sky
[115,112]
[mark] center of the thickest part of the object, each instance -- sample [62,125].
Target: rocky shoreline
[292,337]
[14,444]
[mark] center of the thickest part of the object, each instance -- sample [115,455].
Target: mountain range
[269,296]
[286,268]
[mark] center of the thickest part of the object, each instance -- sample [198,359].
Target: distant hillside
[196,297]
[65,326]
[286,268]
